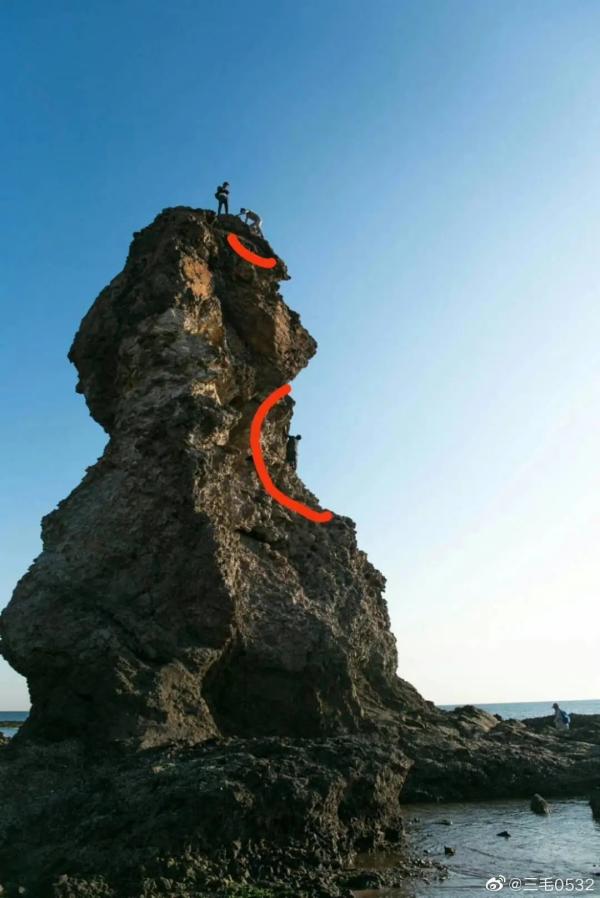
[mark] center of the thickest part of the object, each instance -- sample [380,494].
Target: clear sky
[429,171]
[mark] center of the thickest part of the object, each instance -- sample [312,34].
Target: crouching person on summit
[253,220]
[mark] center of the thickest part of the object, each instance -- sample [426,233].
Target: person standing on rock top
[222,194]
[291,451]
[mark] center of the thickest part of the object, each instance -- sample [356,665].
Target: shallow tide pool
[550,855]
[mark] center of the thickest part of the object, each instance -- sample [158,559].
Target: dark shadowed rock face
[184,822]
[174,599]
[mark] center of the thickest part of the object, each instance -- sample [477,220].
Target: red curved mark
[319,517]
[237,246]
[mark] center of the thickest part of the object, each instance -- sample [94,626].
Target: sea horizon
[506,710]
[522,710]
[445,706]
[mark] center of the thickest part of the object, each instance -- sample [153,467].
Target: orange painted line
[237,246]
[319,517]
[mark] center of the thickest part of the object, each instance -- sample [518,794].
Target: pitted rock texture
[174,599]
[470,755]
[284,816]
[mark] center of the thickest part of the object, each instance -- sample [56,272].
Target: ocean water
[12,716]
[521,710]
[544,855]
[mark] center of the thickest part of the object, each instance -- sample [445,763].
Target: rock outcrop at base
[174,599]
[470,755]
[284,816]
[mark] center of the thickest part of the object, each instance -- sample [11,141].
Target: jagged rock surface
[469,755]
[283,815]
[174,599]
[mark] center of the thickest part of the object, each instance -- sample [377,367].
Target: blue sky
[429,171]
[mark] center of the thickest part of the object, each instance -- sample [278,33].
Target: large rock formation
[175,599]
[215,703]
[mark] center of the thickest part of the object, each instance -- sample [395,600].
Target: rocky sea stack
[177,608]
[174,599]
[215,704]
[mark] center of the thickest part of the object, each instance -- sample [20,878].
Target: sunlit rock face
[174,599]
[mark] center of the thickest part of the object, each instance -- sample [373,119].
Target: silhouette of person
[222,194]
[291,451]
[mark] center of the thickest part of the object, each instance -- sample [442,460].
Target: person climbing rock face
[253,220]
[291,452]
[222,194]
[562,721]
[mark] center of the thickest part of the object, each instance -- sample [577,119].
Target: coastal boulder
[539,805]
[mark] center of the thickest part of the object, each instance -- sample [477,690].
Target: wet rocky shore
[288,817]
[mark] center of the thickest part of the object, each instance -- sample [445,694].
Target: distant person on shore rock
[222,194]
[562,721]
[253,220]
[291,452]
